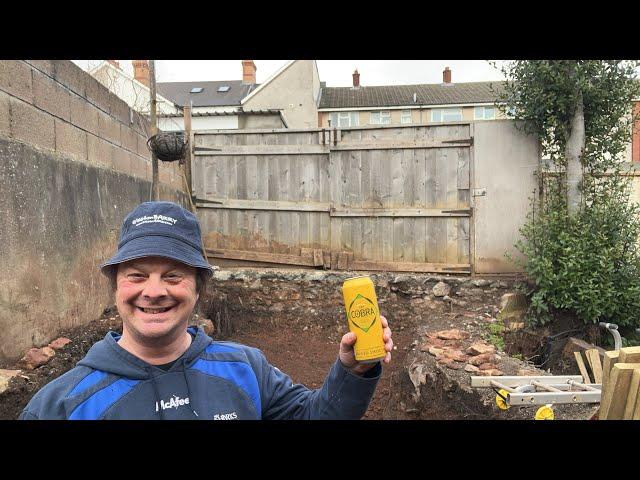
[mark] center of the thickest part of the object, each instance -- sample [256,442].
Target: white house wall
[223,122]
[295,91]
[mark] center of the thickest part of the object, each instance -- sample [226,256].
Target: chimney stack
[248,72]
[356,79]
[141,71]
[114,63]
[446,75]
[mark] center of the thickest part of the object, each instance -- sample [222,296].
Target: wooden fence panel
[368,197]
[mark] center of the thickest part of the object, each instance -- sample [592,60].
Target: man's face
[155,297]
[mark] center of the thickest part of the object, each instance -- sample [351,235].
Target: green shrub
[589,263]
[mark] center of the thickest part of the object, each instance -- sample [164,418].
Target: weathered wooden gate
[384,198]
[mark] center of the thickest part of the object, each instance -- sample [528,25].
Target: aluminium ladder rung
[516,381]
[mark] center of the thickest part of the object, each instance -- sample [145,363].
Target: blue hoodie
[211,381]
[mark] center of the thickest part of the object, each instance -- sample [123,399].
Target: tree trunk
[573,152]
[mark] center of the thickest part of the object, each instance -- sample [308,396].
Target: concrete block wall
[73,163]
[54,105]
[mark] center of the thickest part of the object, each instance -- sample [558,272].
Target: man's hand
[347,356]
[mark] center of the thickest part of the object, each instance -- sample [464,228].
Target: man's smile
[155,310]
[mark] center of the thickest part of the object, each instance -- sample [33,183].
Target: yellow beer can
[363,315]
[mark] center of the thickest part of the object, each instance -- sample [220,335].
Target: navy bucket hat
[160,229]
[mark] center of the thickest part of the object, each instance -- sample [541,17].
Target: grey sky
[337,73]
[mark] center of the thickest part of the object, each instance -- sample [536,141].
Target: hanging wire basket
[168,146]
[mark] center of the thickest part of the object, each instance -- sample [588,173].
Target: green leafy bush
[581,244]
[588,263]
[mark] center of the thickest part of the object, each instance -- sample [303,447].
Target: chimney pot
[248,72]
[141,71]
[356,79]
[446,75]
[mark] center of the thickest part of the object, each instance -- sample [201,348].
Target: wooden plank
[353,184]
[241,177]
[284,178]
[318,257]
[396,178]
[629,355]
[265,149]
[463,170]
[386,145]
[220,177]
[452,241]
[463,240]
[296,227]
[451,181]
[262,257]
[398,240]
[420,240]
[409,178]
[399,212]
[232,177]
[594,362]
[354,198]
[343,261]
[410,267]
[251,178]
[273,178]
[325,230]
[610,359]
[612,406]
[431,178]
[452,201]
[367,238]
[439,234]
[334,259]
[375,159]
[366,187]
[237,204]
[409,239]
[326,257]
[386,227]
[582,367]
[632,396]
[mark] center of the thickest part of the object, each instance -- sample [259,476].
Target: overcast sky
[337,73]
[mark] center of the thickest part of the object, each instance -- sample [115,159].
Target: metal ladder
[541,390]
[547,389]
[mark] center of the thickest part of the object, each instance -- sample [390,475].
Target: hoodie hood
[107,356]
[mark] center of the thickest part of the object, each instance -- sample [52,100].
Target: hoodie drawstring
[155,389]
[186,380]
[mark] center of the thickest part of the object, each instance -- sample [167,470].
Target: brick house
[408,104]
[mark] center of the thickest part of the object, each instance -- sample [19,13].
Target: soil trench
[301,342]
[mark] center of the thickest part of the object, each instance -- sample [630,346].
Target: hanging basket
[168,146]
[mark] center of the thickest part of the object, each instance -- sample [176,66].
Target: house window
[485,113]
[405,116]
[446,115]
[344,119]
[380,118]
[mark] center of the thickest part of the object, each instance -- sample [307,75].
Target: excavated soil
[305,351]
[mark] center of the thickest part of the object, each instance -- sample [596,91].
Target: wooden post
[614,398]
[155,180]
[189,138]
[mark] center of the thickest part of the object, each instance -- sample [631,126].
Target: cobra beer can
[361,304]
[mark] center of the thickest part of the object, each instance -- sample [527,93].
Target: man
[159,368]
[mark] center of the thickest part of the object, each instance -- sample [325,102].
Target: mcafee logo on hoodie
[175,402]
